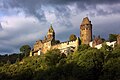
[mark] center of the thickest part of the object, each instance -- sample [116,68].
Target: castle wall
[46,47]
[66,45]
[99,46]
[42,48]
[36,54]
[38,45]
[111,43]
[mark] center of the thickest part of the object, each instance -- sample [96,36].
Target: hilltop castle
[49,42]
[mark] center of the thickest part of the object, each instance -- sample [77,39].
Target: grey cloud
[32,6]
[64,35]
[62,12]
[9,48]
[1,27]
[6,51]
[26,33]
[104,27]
[63,15]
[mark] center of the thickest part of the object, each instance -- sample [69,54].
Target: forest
[86,63]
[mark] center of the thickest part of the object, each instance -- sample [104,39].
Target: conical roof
[86,21]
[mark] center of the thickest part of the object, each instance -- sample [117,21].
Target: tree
[25,49]
[83,47]
[85,64]
[72,37]
[91,60]
[112,37]
[53,57]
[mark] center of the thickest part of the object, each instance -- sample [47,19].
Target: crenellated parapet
[68,45]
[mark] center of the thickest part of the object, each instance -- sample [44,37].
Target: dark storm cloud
[1,27]
[34,7]
[30,7]
[6,51]
[89,2]
[63,13]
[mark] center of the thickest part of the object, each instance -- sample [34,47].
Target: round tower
[86,31]
[118,39]
[51,34]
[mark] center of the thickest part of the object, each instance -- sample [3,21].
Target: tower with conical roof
[51,33]
[86,31]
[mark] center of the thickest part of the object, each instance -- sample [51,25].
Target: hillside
[85,64]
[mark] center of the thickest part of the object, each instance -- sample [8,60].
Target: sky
[25,21]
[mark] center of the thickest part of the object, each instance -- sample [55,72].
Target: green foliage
[53,57]
[55,42]
[25,49]
[112,37]
[12,58]
[84,64]
[83,47]
[72,37]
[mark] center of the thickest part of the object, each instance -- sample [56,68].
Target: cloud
[20,30]
[105,25]
[1,27]
[25,21]
[61,9]
[35,7]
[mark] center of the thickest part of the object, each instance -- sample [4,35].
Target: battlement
[66,44]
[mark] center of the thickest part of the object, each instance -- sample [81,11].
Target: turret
[51,34]
[86,31]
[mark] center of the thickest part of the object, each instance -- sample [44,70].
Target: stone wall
[86,31]
[66,45]
[86,35]
[112,44]
[38,45]
[43,46]
[118,39]
[46,47]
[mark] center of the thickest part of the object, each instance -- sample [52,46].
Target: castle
[49,42]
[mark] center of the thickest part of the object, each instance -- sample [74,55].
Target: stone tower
[51,34]
[118,39]
[86,31]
